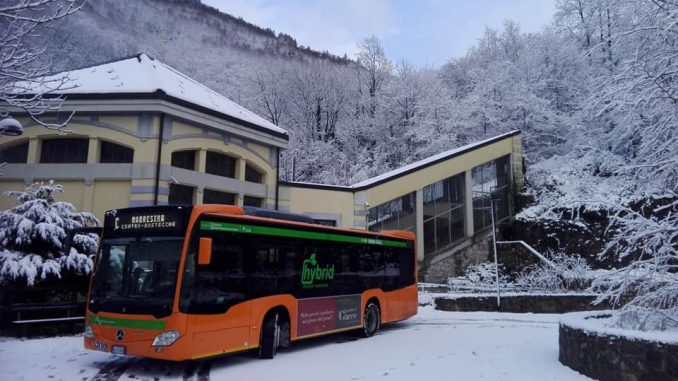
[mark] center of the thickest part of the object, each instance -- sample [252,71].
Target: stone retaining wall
[539,304]
[614,358]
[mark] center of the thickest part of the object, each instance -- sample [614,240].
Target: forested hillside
[594,92]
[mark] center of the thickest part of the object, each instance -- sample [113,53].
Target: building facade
[443,199]
[148,144]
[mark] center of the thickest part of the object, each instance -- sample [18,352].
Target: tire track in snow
[113,370]
[197,371]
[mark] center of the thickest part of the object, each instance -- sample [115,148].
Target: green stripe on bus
[127,323]
[282,232]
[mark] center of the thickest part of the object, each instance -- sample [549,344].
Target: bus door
[216,296]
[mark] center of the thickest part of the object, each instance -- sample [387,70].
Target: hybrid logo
[312,273]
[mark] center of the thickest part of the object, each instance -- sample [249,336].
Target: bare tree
[24,81]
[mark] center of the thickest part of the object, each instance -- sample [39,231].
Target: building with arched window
[143,133]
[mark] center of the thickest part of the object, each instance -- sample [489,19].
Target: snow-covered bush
[481,277]
[648,240]
[563,272]
[32,236]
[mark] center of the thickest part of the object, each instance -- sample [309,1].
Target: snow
[598,323]
[143,74]
[433,345]
[434,158]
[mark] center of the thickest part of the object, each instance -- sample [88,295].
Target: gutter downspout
[157,163]
[277,177]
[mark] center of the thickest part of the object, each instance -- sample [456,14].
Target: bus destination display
[156,220]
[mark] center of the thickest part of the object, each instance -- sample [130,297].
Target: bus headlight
[166,338]
[89,332]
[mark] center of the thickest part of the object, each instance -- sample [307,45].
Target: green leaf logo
[312,260]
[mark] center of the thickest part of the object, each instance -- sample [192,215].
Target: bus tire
[270,336]
[372,319]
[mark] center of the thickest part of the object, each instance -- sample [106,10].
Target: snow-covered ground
[434,345]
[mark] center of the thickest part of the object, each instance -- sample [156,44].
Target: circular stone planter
[611,354]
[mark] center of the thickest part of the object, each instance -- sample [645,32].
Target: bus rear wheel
[372,319]
[270,336]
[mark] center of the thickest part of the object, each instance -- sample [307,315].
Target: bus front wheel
[372,319]
[270,337]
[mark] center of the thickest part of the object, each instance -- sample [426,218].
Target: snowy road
[433,345]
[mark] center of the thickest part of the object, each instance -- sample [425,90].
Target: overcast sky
[423,32]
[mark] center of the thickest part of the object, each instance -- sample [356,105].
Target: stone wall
[613,358]
[454,261]
[539,304]
[437,267]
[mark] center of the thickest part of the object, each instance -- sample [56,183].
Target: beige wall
[417,180]
[97,187]
[352,204]
[337,205]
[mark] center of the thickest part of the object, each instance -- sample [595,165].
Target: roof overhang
[159,102]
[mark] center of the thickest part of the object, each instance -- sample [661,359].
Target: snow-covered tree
[648,241]
[24,83]
[32,236]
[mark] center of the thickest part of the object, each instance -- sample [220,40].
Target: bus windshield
[136,275]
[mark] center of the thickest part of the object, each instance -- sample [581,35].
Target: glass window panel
[115,153]
[210,196]
[17,153]
[252,201]
[70,150]
[220,165]
[184,159]
[252,174]
[396,214]
[180,194]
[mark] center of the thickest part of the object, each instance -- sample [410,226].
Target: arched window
[253,175]
[64,150]
[17,153]
[184,159]
[220,165]
[115,153]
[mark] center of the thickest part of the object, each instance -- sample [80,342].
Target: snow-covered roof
[142,74]
[404,170]
[430,161]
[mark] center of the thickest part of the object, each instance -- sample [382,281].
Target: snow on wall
[597,323]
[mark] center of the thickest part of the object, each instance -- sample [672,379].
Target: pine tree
[32,236]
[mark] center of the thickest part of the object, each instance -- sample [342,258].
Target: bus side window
[264,270]
[391,269]
[406,260]
[371,267]
[288,273]
[346,273]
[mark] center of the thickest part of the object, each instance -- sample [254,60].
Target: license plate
[118,350]
[99,346]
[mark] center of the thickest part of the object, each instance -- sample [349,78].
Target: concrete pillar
[468,203]
[93,151]
[201,160]
[419,210]
[240,169]
[33,151]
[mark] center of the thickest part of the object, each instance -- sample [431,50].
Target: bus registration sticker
[317,315]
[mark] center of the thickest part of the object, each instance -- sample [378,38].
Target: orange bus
[190,282]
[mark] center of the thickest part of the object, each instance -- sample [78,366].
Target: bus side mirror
[205,251]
